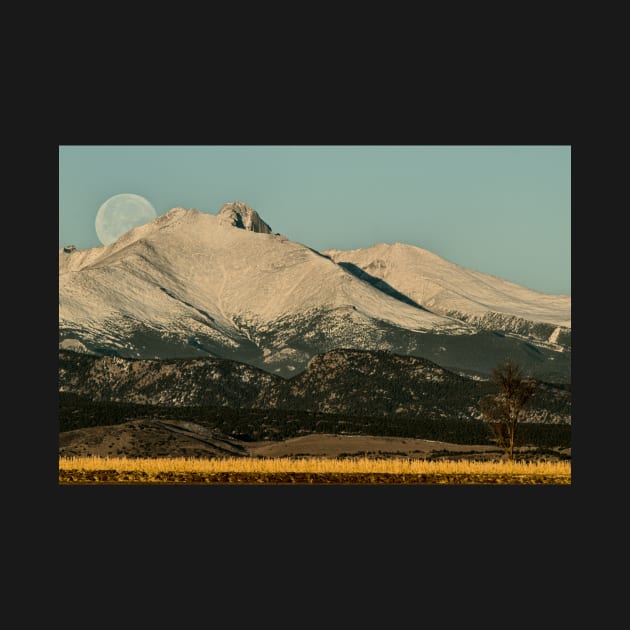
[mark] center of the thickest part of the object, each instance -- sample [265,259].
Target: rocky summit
[240,215]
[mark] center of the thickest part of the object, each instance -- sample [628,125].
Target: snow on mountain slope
[190,277]
[187,259]
[452,290]
[193,284]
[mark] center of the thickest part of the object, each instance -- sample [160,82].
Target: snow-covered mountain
[189,284]
[470,296]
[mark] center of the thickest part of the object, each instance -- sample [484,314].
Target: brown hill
[149,438]
[175,438]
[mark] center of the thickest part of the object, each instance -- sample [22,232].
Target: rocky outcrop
[242,216]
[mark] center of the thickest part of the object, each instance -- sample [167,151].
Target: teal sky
[502,210]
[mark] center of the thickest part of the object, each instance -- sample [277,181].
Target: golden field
[309,470]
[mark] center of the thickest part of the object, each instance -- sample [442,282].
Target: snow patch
[553,338]
[73,344]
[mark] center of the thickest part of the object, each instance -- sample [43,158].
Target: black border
[425,527]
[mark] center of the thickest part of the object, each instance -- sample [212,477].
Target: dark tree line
[78,412]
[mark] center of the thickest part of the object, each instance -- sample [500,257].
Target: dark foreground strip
[72,477]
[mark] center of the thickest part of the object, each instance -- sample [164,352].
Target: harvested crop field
[310,470]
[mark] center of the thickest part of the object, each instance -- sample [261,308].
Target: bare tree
[503,411]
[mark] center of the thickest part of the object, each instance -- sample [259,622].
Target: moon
[121,213]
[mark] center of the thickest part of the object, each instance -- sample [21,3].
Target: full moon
[121,213]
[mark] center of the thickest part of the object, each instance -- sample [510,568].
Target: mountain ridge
[470,296]
[193,284]
[344,382]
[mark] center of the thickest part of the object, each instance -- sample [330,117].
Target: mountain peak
[240,215]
